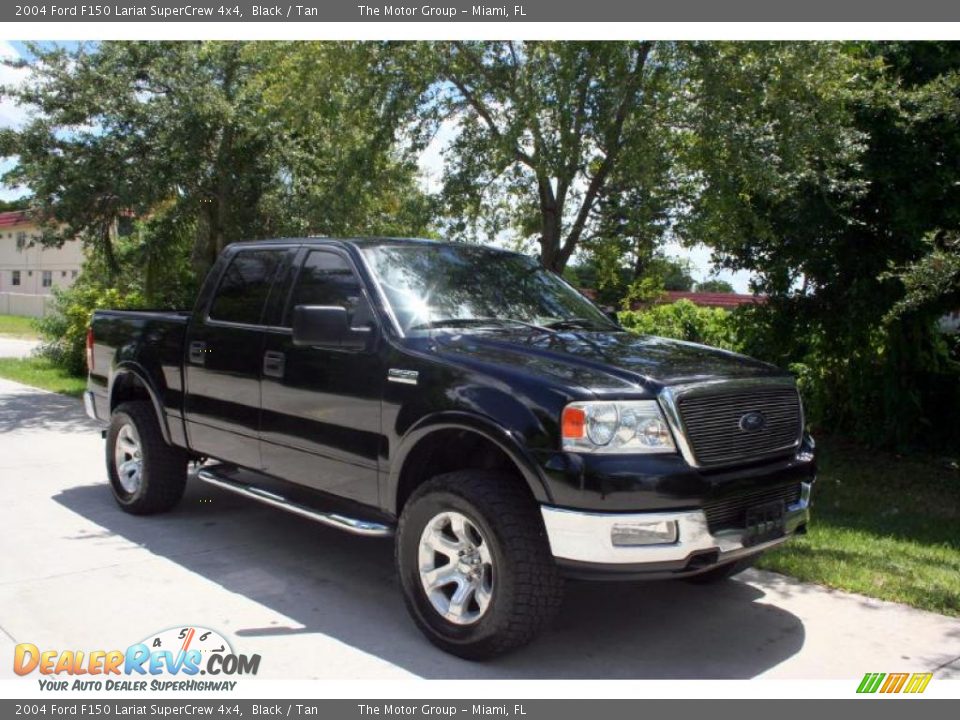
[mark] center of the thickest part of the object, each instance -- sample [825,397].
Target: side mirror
[327,327]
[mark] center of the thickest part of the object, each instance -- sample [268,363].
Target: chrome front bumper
[89,406]
[585,537]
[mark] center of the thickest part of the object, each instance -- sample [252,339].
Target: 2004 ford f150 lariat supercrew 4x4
[468,402]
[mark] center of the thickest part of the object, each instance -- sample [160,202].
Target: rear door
[224,351]
[320,423]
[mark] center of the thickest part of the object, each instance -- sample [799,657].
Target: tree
[641,203]
[544,131]
[608,288]
[613,148]
[345,111]
[142,129]
[660,273]
[715,286]
[199,141]
[18,204]
[776,151]
[830,165]
[932,282]
[673,273]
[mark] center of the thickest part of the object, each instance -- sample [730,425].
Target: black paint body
[329,420]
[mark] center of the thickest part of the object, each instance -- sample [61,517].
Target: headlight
[627,426]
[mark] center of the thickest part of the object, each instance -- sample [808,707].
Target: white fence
[25,305]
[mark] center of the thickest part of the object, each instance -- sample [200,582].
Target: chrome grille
[730,512]
[711,422]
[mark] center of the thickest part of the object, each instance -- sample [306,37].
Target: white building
[950,323]
[28,273]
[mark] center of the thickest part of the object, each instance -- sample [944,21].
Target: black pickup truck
[466,401]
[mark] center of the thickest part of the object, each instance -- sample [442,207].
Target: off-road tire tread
[164,466]
[506,503]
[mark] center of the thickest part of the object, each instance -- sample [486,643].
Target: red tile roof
[711,299]
[13,218]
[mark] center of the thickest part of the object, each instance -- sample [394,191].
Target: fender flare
[479,425]
[128,367]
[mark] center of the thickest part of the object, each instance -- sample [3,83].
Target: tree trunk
[550,240]
[644,251]
[204,252]
[149,275]
[113,265]
[550,246]
[224,190]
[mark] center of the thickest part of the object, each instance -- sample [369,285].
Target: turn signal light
[574,423]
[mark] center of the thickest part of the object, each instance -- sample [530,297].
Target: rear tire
[146,474]
[719,574]
[475,566]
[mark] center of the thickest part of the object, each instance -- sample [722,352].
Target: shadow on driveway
[24,408]
[345,587]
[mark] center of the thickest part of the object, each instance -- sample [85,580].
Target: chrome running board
[341,522]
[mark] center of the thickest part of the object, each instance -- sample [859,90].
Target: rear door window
[245,286]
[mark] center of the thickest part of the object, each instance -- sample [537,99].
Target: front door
[320,419]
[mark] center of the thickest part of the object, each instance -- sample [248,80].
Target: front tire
[475,566]
[146,474]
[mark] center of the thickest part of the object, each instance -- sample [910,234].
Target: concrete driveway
[77,572]
[13,347]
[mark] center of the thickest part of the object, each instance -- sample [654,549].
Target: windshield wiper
[468,322]
[572,324]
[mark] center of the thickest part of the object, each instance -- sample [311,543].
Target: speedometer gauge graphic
[183,639]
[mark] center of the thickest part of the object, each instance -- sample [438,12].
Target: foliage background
[828,170]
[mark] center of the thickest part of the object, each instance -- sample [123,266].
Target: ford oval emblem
[753,421]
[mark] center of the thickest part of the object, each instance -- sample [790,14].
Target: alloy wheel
[127,459]
[456,568]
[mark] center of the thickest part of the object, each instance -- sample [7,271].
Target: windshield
[432,286]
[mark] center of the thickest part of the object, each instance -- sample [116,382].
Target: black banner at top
[578,11]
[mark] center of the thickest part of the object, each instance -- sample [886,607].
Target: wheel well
[128,387]
[446,451]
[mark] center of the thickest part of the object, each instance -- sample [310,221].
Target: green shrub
[64,329]
[683,320]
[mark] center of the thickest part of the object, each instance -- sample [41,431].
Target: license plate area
[765,522]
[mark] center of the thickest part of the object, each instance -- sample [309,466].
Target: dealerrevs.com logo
[169,660]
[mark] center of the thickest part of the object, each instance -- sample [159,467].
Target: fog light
[655,533]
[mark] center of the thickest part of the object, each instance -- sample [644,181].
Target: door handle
[274,363]
[198,352]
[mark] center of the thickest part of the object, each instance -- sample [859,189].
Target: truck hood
[600,360]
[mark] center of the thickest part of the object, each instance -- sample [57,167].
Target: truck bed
[148,342]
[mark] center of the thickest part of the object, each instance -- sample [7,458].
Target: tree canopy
[849,233]
[545,131]
[18,204]
[829,171]
[201,142]
[716,286]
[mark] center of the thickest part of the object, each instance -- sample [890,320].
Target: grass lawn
[38,372]
[883,525]
[18,327]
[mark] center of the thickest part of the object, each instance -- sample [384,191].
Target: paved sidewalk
[77,572]
[13,347]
